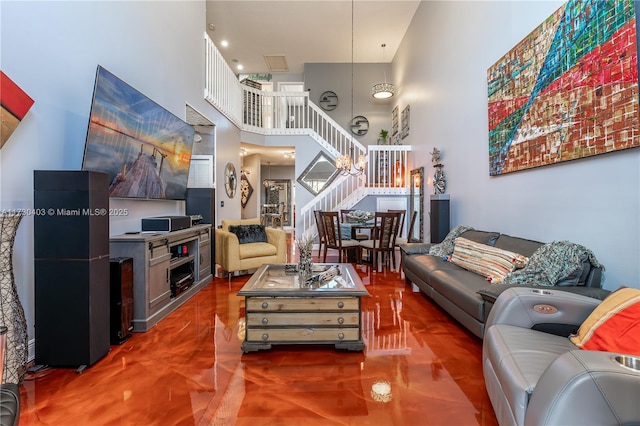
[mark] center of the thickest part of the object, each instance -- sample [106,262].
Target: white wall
[337,78]
[441,71]
[51,49]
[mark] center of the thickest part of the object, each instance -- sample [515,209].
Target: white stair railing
[222,88]
[293,113]
[343,193]
[272,112]
[388,168]
[289,113]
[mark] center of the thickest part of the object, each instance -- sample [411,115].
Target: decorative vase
[11,310]
[439,180]
[305,246]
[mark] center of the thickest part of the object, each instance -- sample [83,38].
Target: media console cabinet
[168,268]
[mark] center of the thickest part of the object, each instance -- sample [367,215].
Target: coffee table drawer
[271,335]
[306,304]
[259,319]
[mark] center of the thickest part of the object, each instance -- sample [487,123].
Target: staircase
[288,113]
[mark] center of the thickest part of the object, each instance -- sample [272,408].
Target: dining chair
[403,240]
[333,238]
[275,212]
[402,215]
[383,242]
[412,223]
[344,217]
[322,239]
[265,214]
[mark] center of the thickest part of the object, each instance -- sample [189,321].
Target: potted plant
[383,137]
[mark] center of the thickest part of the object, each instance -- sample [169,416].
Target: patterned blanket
[445,248]
[551,263]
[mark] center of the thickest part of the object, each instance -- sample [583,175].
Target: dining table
[348,230]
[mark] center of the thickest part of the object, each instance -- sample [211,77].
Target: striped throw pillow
[614,325]
[491,262]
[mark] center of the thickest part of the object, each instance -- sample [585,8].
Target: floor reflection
[419,368]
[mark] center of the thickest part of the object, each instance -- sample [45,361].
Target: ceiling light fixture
[344,163]
[291,154]
[383,90]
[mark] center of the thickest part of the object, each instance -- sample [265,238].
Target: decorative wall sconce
[243,169]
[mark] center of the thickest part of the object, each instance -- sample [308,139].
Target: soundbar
[166,223]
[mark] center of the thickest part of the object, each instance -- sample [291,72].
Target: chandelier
[383,90]
[268,183]
[344,163]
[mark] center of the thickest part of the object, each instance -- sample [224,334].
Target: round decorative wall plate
[359,125]
[328,100]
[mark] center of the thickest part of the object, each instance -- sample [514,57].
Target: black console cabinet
[71,251]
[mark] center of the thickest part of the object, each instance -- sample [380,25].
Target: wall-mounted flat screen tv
[144,148]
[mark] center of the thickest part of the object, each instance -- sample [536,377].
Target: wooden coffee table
[282,310]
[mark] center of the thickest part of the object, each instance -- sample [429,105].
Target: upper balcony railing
[222,88]
[272,112]
[282,113]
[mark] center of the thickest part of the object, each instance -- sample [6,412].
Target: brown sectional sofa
[467,296]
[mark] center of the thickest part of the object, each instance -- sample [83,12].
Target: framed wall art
[405,122]
[568,90]
[14,105]
[394,122]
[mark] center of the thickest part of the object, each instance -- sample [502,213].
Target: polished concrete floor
[419,368]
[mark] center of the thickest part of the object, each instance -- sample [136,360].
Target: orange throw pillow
[614,326]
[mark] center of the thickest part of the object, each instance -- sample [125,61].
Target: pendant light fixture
[268,183]
[344,163]
[383,90]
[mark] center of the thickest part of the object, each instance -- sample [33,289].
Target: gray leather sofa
[467,296]
[536,378]
[9,404]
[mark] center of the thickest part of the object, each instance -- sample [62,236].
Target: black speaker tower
[440,215]
[202,201]
[121,300]
[71,251]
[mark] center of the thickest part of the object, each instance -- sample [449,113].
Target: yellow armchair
[234,257]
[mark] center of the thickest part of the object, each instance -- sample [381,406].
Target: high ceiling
[305,31]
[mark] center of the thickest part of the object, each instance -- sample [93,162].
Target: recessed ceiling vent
[276,63]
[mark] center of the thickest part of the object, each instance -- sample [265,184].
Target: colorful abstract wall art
[14,103]
[568,90]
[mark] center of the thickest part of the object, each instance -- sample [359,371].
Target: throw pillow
[445,248]
[491,262]
[249,233]
[614,325]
